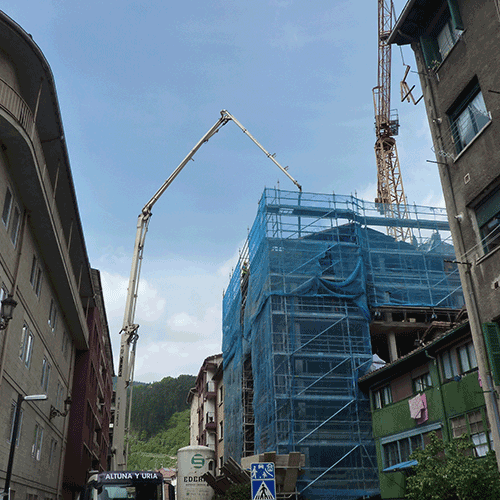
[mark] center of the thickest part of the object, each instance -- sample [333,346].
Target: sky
[140,82]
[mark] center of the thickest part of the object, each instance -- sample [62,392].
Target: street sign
[263,481]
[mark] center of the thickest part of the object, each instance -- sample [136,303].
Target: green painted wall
[443,401]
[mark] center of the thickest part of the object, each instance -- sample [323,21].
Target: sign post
[263,481]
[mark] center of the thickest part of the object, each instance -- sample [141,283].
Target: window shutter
[430,51]
[456,18]
[491,333]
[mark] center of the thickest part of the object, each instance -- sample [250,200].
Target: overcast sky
[140,82]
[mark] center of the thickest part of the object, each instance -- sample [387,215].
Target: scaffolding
[298,310]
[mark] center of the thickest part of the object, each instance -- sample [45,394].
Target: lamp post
[20,399]
[6,311]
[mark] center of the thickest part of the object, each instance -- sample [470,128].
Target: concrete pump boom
[129,329]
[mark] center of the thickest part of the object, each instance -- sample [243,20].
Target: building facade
[44,267]
[435,388]
[89,446]
[207,408]
[456,49]
[319,289]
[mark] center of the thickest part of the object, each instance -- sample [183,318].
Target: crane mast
[390,192]
[129,329]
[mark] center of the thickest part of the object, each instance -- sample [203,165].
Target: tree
[449,471]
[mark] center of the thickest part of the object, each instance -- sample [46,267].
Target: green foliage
[448,471]
[160,450]
[154,404]
[236,492]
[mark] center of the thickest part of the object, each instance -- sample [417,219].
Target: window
[446,30]
[44,382]
[420,384]
[221,430]
[53,449]
[447,38]
[59,395]
[11,427]
[7,205]
[488,220]
[468,117]
[66,342]
[14,228]
[382,397]
[11,218]
[476,425]
[491,333]
[449,365]
[26,346]
[399,451]
[52,315]
[36,276]
[36,448]
[467,357]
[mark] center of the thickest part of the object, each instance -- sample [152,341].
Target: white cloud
[115,288]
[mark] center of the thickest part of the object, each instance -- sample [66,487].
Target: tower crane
[391,197]
[129,329]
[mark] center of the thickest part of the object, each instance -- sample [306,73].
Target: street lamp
[7,311]
[20,399]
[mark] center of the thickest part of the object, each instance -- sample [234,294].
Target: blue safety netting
[298,307]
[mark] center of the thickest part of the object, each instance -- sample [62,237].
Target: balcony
[210,421]
[210,390]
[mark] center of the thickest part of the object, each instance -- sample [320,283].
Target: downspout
[440,390]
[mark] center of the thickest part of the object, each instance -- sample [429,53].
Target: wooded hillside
[154,404]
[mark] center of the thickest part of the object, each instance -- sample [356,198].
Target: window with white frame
[53,450]
[36,447]
[59,395]
[44,381]
[468,117]
[447,37]
[36,276]
[14,225]
[382,397]
[449,365]
[66,342]
[7,206]
[422,382]
[445,31]
[11,216]
[476,425]
[467,357]
[52,315]
[488,220]
[26,346]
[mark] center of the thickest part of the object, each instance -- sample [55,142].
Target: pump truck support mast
[129,329]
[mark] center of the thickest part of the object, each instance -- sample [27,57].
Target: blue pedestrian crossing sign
[263,481]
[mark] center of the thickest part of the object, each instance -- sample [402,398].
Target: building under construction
[318,289]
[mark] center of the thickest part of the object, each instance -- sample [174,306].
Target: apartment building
[44,268]
[89,446]
[456,50]
[207,408]
[435,388]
